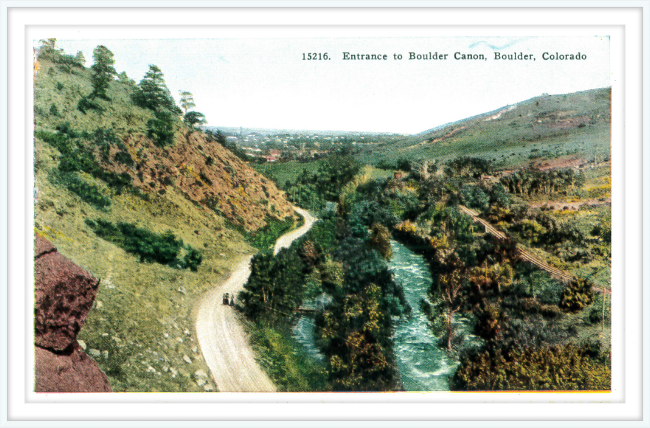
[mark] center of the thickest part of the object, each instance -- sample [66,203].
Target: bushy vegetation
[76,155]
[161,128]
[265,237]
[285,361]
[341,262]
[513,306]
[532,181]
[563,368]
[86,191]
[313,190]
[150,247]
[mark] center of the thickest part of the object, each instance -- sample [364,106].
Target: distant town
[273,145]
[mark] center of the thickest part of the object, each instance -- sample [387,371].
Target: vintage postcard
[350,214]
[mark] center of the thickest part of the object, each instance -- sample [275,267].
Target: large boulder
[70,372]
[64,294]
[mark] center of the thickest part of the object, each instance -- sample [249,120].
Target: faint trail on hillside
[222,339]
[526,255]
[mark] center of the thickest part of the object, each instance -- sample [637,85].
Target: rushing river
[422,364]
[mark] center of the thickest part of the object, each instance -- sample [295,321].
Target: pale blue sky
[265,83]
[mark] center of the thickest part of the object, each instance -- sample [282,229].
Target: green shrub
[124,158]
[192,258]
[87,192]
[86,104]
[265,237]
[161,128]
[577,294]
[54,111]
[150,247]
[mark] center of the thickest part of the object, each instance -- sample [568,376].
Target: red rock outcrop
[73,372]
[64,293]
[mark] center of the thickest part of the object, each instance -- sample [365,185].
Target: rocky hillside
[158,224]
[200,168]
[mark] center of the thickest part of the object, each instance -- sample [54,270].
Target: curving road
[222,338]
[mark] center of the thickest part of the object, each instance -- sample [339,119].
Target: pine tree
[194,118]
[187,101]
[80,58]
[152,92]
[103,71]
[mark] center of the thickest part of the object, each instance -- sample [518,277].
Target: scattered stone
[195,349]
[200,374]
[208,388]
[201,382]
[166,335]
[98,304]
[151,370]
[104,334]
[173,371]
[179,340]
[82,344]
[105,354]
[182,290]
[187,359]
[117,339]
[187,332]
[165,369]
[94,353]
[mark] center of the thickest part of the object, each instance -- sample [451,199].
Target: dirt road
[223,341]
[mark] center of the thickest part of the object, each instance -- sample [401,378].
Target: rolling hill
[549,127]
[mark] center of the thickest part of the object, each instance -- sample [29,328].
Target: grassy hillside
[548,127]
[101,167]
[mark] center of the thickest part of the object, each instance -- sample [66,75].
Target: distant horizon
[269,83]
[398,133]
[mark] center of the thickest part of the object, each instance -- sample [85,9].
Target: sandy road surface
[285,240]
[223,341]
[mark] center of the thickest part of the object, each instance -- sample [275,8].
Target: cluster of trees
[312,190]
[151,93]
[275,287]
[469,167]
[341,261]
[150,247]
[532,181]
[49,51]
